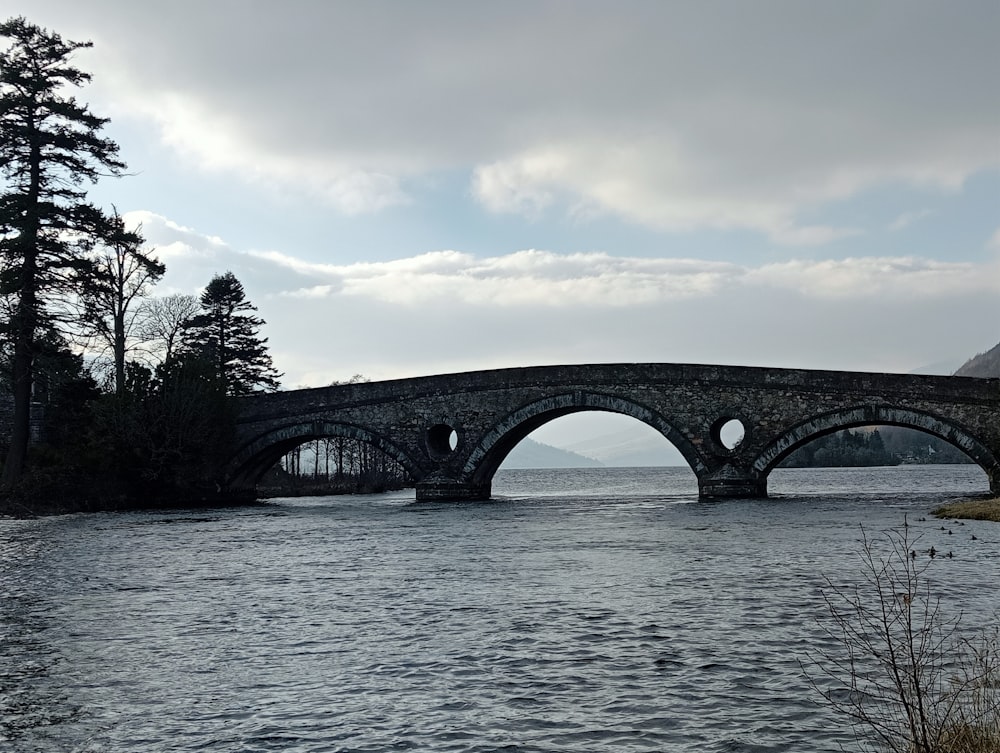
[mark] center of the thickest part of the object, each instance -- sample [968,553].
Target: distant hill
[532,454]
[938,368]
[637,446]
[983,365]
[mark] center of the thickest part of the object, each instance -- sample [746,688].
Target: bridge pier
[732,483]
[449,490]
[993,474]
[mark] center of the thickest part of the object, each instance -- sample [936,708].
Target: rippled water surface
[583,610]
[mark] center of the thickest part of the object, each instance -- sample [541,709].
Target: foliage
[161,441]
[902,672]
[888,445]
[63,415]
[170,431]
[50,146]
[226,333]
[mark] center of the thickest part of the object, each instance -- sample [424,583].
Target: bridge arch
[486,458]
[868,415]
[253,460]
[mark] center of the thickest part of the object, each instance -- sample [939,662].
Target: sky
[414,188]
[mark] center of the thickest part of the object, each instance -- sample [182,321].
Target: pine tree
[50,146]
[226,334]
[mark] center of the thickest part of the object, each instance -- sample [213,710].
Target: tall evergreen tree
[50,147]
[227,334]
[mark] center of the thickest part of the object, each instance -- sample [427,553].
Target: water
[583,610]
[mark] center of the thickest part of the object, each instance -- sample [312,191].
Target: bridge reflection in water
[451,432]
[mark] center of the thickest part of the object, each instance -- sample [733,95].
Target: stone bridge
[452,432]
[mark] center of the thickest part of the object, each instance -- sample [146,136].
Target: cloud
[453,311]
[169,241]
[908,218]
[880,278]
[545,280]
[673,116]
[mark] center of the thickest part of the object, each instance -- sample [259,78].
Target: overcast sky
[412,188]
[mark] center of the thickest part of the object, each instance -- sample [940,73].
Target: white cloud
[880,278]
[170,242]
[545,280]
[908,218]
[522,186]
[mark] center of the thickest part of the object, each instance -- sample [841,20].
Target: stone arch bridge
[452,432]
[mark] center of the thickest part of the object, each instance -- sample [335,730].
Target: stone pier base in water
[732,488]
[449,490]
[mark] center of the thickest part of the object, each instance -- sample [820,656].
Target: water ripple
[621,619]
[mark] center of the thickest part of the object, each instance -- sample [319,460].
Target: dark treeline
[886,445]
[108,395]
[111,396]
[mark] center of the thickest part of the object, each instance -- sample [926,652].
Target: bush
[902,671]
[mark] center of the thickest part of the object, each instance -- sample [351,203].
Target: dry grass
[970,738]
[972,509]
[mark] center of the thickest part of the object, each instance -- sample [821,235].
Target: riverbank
[24,506]
[971,509]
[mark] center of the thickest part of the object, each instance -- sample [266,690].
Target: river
[581,610]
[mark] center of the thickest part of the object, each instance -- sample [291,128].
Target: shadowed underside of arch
[496,444]
[869,415]
[255,458]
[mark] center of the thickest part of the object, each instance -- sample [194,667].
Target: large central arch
[496,444]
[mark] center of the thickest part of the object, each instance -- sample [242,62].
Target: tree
[109,299]
[163,321]
[227,334]
[50,146]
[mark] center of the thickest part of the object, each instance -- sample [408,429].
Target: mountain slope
[982,365]
[634,447]
[531,454]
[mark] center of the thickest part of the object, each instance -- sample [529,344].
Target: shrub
[900,669]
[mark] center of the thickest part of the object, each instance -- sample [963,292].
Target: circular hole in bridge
[442,440]
[730,433]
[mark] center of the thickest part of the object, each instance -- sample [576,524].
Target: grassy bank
[971,509]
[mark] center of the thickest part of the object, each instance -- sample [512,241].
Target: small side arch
[868,415]
[496,444]
[255,457]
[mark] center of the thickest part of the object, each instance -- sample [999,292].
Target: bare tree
[110,298]
[901,670]
[163,320]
